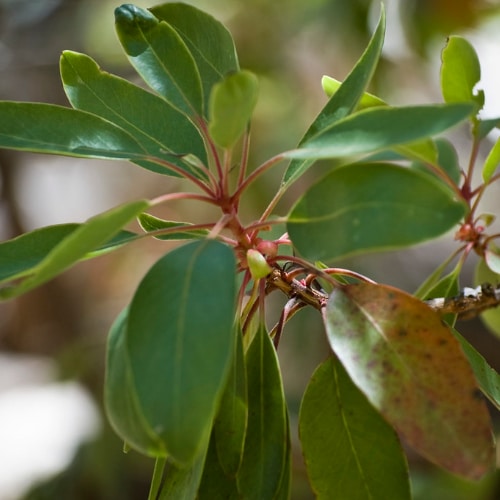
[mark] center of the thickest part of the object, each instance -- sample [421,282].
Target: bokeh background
[54,439]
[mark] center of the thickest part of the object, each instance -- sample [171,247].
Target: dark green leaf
[378,128]
[350,451]
[76,245]
[231,105]
[180,338]
[412,369]
[161,57]
[448,159]
[47,128]
[367,207]
[161,129]
[151,223]
[484,127]
[265,454]
[208,40]
[344,101]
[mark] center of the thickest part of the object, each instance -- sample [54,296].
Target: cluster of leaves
[192,375]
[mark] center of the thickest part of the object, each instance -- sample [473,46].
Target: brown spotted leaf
[412,369]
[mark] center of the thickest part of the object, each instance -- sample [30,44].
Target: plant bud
[259,268]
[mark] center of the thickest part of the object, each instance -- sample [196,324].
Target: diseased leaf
[151,223]
[350,451]
[75,246]
[208,40]
[162,130]
[47,128]
[491,317]
[161,57]
[264,456]
[180,335]
[343,102]
[366,207]
[412,369]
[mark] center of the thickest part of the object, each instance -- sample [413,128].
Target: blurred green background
[290,44]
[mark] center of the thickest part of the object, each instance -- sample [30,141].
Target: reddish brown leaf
[412,369]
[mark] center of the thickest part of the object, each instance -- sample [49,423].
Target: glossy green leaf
[231,422]
[161,129]
[232,102]
[367,207]
[350,451]
[264,457]
[487,377]
[150,224]
[413,370]
[491,317]
[47,128]
[492,161]
[331,85]
[120,400]
[448,159]
[75,246]
[208,40]
[378,128]
[161,57]
[180,338]
[460,71]
[344,101]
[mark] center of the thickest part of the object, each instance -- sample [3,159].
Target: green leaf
[331,85]
[491,317]
[60,255]
[378,128]
[231,422]
[344,101]
[161,57]
[161,129]
[180,338]
[491,162]
[120,401]
[264,457]
[150,223]
[366,207]
[448,159]
[484,127]
[413,370]
[208,40]
[487,377]
[47,128]
[231,105]
[350,451]
[460,71]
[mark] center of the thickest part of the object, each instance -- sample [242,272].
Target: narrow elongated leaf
[161,129]
[231,105]
[367,207]
[264,456]
[151,223]
[492,161]
[75,246]
[120,400]
[344,101]
[180,338]
[350,451]
[460,71]
[331,86]
[413,370]
[161,57]
[378,128]
[47,128]
[208,40]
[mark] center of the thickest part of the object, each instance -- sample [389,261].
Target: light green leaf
[413,371]
[343,102]
[367,207]
[331,85]
[47,128]
[180,336]
[264,457]
[491,162]
[460,71]
[75,246]
[231,105]
[161,129]
[208,40]
[151,223]
[161,57]
[378,128]
[350,451]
